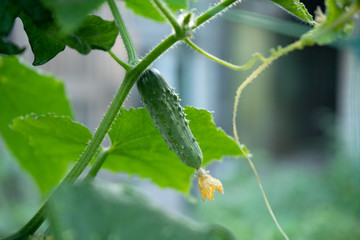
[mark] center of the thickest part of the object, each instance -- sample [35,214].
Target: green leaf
[94,33]
[36,11]
[56,141]
[146,9]
[296,8]
[116,212]
[142,151]
[9,10]
[327,31]
[9,48]
[24,91]
[70,14]
[45,42]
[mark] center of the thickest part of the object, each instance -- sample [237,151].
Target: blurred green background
[300,119]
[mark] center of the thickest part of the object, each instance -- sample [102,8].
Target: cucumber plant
[39,128]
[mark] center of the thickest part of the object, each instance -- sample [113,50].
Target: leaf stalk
[129,45]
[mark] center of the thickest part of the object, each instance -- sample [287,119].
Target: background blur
[300,119]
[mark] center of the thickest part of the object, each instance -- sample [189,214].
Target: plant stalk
[224,5]
[126,66]
[129,45]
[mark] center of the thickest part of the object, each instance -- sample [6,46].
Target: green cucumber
[163,105]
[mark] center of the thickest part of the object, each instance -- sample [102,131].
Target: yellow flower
[208,184]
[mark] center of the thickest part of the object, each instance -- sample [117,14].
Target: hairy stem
[129,45]
[130,78]
[222,62]
[214,11]
[166,12]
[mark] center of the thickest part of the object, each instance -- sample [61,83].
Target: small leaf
[296,8]
[9,10]
[9,48]
[55,141]
[24,91]
[142,150]
[70,14]
[45,43]
[36,11]
[94,33]
[322,34]
[116,212]
[146,9]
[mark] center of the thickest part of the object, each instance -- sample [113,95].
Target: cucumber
[163,105]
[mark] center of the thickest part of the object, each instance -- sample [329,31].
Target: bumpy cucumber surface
[163,105]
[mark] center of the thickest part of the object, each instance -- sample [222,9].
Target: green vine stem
[222,62]
[91,149]
[126,66]
[129,45]
[166,12]
[224,5]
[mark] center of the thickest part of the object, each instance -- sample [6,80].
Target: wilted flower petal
[208,184]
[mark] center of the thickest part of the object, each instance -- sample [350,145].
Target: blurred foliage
[19,197]
[310,201]
[108,211]
[24,90]
[146,9]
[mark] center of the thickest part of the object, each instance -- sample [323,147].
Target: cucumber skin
[163,105]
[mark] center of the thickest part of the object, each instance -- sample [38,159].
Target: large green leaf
[325,33]
[55,141]
[138,148]
[116,212]
[146,9]
[70,14]
[24,91]
[296,8]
